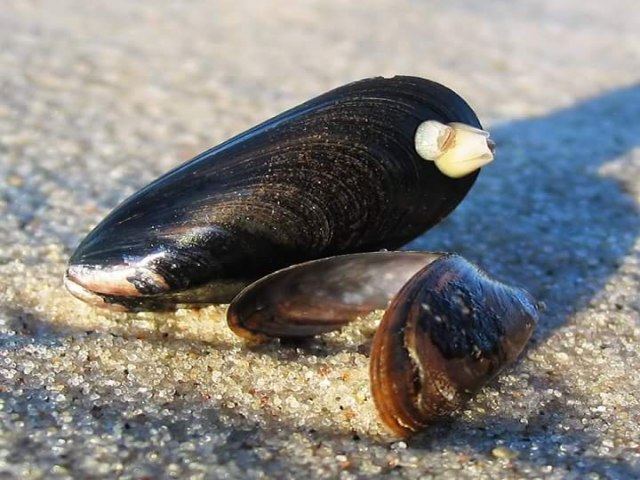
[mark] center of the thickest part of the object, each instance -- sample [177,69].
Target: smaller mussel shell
[449,330]
[323,295]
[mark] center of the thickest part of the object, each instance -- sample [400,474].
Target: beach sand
[99,98]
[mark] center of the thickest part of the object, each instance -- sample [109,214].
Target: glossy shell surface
[337,174]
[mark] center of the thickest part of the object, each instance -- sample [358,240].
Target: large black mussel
[367,166]
[448,330]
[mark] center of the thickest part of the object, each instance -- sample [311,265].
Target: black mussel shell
[337,174]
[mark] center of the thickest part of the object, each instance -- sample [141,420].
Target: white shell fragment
[457,149]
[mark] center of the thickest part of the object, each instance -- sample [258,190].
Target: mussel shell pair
[448,330]
[338,174]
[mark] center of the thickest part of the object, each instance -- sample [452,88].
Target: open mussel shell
[337,174]
[448,330]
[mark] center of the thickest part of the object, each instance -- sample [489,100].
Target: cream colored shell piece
[457,149]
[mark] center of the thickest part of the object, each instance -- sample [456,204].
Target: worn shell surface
[337,174]
[448,330]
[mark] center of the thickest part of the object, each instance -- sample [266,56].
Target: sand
[97,99]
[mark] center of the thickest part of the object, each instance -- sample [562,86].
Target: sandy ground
[98,98]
